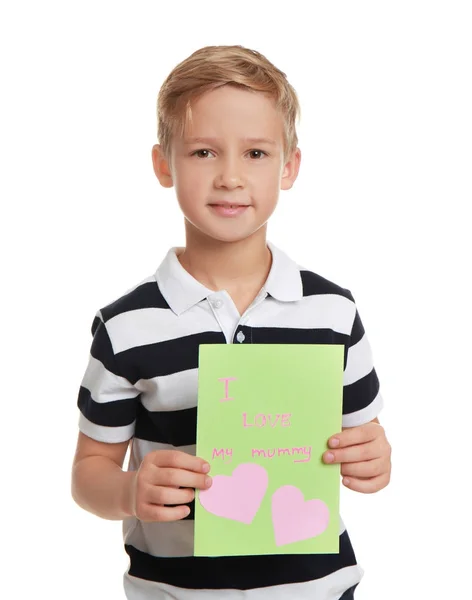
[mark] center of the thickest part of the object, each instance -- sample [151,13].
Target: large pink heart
[237,496]
[294,519]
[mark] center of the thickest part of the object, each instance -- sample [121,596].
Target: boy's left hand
[364,454]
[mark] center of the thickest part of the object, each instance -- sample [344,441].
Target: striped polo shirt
[141,382]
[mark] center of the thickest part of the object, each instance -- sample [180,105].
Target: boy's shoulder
[288,273]
[315,284]
[145,294]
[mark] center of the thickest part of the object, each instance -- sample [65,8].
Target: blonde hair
[212,67]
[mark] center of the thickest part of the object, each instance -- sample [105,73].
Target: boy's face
[226,184]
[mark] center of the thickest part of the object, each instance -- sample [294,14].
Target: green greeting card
[265,413]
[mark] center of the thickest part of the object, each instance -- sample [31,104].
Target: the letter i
[227,380]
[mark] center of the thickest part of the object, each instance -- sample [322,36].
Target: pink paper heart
[237,496]
[294,519]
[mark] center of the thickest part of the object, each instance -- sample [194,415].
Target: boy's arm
[99,484]
[107,401]
[361,447]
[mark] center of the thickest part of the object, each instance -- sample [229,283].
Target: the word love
[267,420]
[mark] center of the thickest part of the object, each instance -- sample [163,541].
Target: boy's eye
[260,152]
[257,152]
[200,151]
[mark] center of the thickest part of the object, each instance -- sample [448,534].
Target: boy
[228,145]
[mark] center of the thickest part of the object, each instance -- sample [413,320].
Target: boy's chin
[226,237]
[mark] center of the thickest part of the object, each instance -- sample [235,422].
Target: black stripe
[360,394]
[181,354]
[314,285]
[239,572]
[146,295]
[286,335]
[289,335]
[166,358]
[117,413]
[101,348]
[358,331]
[175,427]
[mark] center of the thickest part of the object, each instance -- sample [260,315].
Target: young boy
[228,145]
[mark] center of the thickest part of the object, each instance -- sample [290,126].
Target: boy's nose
[230,175]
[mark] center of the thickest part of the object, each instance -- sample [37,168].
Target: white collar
[182,291]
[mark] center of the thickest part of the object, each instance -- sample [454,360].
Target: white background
[379,207]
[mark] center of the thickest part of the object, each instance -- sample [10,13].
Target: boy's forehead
[249,116]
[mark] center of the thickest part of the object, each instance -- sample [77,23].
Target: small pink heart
[294,519]
[237,496]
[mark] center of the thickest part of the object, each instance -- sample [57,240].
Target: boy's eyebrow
[252,140]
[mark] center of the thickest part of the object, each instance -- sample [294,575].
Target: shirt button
[218,303]
[244,320]
[240,337]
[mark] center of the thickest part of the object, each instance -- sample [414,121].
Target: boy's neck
[227,265]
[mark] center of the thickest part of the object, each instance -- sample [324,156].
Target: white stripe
[110,435]
[365,415]
[330,587]
[359,361]
[177,391]
[150,325]
[105,386]
[327,311]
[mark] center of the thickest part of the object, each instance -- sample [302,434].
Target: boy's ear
[291,169]
[161,167]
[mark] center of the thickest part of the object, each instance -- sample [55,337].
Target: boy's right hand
[167,477]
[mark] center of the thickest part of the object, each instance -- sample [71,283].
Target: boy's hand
[167,477]
[364,454]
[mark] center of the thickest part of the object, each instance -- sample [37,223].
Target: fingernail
[206,468]
[346,481]
[329,457]
[208,481]
[334,443]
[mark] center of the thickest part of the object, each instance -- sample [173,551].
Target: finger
[169,495]
[181,478]
[360,453]
[365,469]
[153,513]
[356,435]
[178,460]
[367,486]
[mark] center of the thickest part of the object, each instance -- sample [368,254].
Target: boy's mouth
[228,204]
[225,209]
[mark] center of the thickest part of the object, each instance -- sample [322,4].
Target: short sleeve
[107,400]
[362,400]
